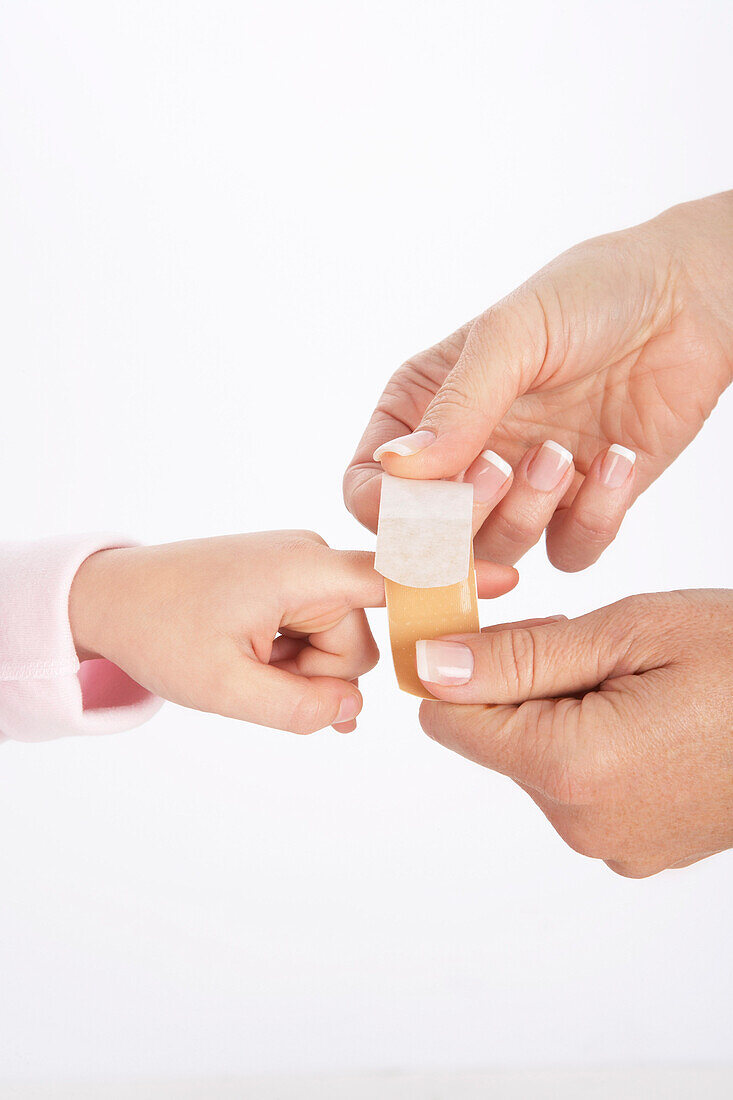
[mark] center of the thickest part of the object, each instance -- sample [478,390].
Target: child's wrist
[89,599]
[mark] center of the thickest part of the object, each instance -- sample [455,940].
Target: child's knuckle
[308,713]
[304,539]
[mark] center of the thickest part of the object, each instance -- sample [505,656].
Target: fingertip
[616,466]
[317,703]
[442,693]
[405,446]
[349,707]
[494,580]
[443,665]
[345,727]
[491,477]
[578,535]
[448,453]
[408,466]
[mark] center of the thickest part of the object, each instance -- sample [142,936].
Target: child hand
[267,627]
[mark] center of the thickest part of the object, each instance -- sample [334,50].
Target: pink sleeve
[44,692]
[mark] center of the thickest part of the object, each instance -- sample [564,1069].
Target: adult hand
[625,340]
[618,724]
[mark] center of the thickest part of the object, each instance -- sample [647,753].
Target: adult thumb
[501,358]
[554,659]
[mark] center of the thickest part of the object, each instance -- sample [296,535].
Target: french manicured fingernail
[549,466]
[617,464]
[406,445]
[488,475]
[350,707]
[446,663]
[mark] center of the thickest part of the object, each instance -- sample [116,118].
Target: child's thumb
[283,700]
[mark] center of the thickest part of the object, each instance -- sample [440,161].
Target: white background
[223,226]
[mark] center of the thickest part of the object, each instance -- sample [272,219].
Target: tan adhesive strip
[416,613]
[425,555]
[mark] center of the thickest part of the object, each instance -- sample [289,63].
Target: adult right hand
[618,349]
[619,724]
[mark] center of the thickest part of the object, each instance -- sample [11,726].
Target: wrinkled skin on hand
[618,724]
[626,339]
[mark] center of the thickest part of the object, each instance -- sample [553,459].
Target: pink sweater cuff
[44,692]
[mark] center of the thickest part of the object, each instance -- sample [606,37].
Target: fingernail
[548,467]
[350,707]
[617,464]
[406,445]
[446,663]
[488,475]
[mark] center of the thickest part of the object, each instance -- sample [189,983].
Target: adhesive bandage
[424,553]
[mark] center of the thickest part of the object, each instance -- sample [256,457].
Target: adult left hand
[618,348]
[618,724]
